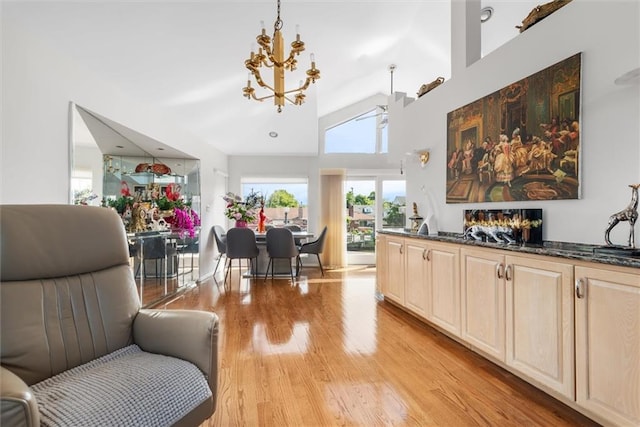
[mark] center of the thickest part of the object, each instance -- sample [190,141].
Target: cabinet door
[482,282]
[381,263]
[608,343]
[540,320]
[416,276]
[444,285]
[394,288]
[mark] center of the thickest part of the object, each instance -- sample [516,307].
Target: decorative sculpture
[499,233]
[425,88]
[416,219]
[630,213]
[540,12]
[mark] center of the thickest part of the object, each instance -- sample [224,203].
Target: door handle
[500,270]
[401,249]
[507,273]
[425,255]
[579,288]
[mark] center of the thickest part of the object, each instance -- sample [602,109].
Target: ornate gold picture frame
[521,142]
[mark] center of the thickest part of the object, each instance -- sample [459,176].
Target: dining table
[281,266]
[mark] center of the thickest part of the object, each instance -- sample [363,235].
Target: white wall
[38,83]
[607,35]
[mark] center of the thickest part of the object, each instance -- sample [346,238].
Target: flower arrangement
[156,206]
[240,210]
[184,220]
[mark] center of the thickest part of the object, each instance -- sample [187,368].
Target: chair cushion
[126,387]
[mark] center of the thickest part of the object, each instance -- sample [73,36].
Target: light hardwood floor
[326,352]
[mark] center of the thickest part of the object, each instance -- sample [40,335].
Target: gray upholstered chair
[294,228]
[280,244]
[241,244]
[316,247]
[75,346]
[221,243]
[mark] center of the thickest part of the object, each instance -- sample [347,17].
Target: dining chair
[293,228]
[280,244]
[221,243]
[188,245]
[315,247]
[241,244]
[158,249]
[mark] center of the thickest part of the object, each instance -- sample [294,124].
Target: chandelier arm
[267,50]
[261,83]
[288,99]
[267,63]
[263,98]
[292,56]
[303,87]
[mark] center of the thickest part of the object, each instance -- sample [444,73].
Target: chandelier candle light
[271,55]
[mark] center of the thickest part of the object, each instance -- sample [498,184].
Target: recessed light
[486,13]
[273,134]
[160,149]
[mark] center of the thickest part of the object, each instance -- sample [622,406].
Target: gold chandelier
[272,56]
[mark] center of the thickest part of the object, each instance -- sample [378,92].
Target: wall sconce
[424,157]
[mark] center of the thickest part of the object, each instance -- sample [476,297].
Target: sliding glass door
[367,212]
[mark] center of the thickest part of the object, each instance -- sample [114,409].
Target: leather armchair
[69,304]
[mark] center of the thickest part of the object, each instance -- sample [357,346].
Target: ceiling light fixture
[273,134]
[271,55]
[486,13]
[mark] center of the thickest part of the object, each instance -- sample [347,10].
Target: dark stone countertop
[578,251]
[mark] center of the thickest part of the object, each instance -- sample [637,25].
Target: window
[394,204]
[285,199]
[82,188]
[366,133]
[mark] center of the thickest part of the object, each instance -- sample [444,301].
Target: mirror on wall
[153,187]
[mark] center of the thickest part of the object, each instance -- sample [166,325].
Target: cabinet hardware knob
[429,255]
[500,270]
[401,248]
[424,254]
[579,288]
[507,273]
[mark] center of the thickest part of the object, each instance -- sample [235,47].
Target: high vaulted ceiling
[186,59]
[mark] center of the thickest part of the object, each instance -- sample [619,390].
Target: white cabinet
[394,283]
[444,286]
[519,310]
[381,262]
[423,277]
[483,293]
[570,327]
[416,276]
[539,320]
[608,343]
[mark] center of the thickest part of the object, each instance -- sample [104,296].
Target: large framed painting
[521,142]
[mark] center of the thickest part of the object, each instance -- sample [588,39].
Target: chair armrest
[18,404]
[186,334]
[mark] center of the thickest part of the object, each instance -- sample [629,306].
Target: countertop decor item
[416,220]
[630,214]
[510,226]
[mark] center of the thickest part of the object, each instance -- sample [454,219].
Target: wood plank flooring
[326,352]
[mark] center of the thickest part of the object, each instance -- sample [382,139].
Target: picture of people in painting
[519,143]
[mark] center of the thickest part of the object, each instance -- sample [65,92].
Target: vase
[261,221]
[241,224]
